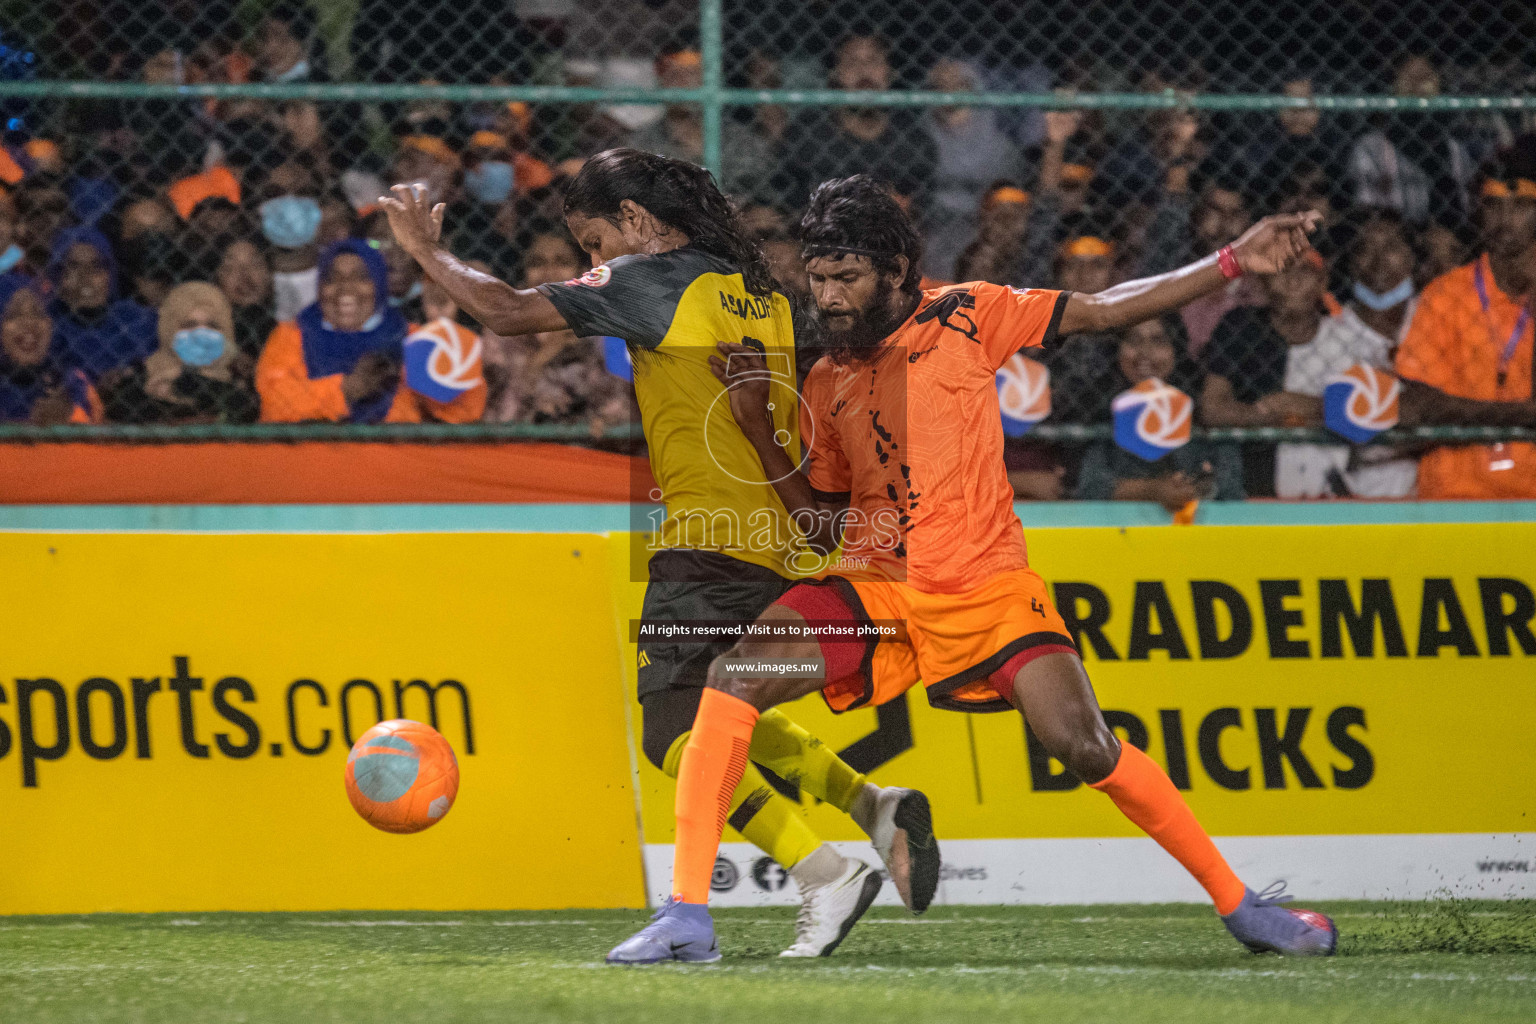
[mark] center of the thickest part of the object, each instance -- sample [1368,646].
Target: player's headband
[815,252]
[1519,188]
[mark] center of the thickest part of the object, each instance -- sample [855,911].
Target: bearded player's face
[844,286]
[854,302]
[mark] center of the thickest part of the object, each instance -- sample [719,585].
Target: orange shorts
[955,643]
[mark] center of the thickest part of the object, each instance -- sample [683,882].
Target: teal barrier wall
[603,518]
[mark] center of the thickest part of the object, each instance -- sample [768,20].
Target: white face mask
[1384,300]
[298,72]
[413,292]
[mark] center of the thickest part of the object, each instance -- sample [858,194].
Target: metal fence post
[714,79]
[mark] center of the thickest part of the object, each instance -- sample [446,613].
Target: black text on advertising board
[110,717]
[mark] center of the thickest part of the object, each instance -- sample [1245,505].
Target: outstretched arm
[498,306]
[1271,245]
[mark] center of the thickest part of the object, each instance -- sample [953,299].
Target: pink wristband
[1230,269]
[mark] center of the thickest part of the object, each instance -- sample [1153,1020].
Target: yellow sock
[796,756]
[763,816]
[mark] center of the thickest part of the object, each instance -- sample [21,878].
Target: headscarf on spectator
[120,333]
[92,195]
[66,239]
[166,364]
[23,385]
[330,351]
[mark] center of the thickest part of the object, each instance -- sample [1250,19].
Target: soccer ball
[402,776]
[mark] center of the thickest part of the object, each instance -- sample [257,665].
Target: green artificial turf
[1434,961]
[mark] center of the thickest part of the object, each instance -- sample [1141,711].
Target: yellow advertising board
[1295,682]
[1351,706]
[176,711]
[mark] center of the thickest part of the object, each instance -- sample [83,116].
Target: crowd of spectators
[189,261]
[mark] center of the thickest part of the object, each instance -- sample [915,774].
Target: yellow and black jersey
[672,309]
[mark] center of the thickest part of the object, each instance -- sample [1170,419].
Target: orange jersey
[1458,346]
[914,439]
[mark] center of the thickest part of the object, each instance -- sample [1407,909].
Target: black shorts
[691,585]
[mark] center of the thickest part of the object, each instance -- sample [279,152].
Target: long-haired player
[674,275]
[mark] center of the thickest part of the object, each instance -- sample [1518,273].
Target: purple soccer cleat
[1264,926]
[678,931]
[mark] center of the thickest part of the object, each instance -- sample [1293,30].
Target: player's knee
[759,691]
[752,689]
[1091,753]
[1081,742]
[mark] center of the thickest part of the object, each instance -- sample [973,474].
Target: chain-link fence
[175,171]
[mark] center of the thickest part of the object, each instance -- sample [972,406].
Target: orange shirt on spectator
[290,395]
[1456,345]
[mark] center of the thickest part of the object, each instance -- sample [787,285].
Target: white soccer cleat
[828,912]
[903,837]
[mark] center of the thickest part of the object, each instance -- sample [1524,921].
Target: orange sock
[710,771]
[1146,795]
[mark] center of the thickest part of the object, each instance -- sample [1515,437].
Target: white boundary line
[618,921]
